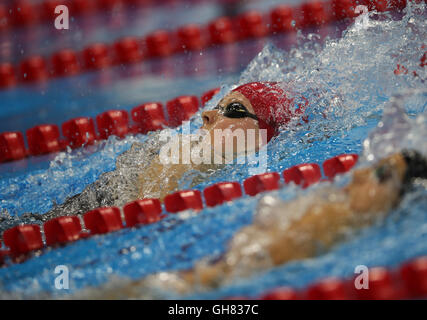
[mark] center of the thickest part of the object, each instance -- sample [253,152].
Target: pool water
[353,91]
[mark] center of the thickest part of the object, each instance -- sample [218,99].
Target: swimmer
[257,107]
[282,232]
[140,173]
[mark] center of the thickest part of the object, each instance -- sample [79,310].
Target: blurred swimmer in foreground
[255,109]
[286,231]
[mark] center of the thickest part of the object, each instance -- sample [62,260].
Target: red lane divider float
[22,240]
[339,164]
[328,289]
[25,13]
[181,109]
[314,13]
[62,230]
[183,200]
[144,211]
[33,69]
[408,281]
[414,276]
[44,139]
[282,19]
[103,220]
[344,9]
[7,75]
[148,117]
[261,182]
[251,25]
[303,174]
[222,192]
[281,294]
[127,50]
[113,122]
[163,43]
[12,146]
[77,132]
[96,57]
[221,31]
[382,286]
[65,63]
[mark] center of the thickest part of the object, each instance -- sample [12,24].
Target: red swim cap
[271,105]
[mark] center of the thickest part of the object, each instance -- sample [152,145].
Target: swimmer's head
[252,106]
[270,103]
[407,164]
[381,186]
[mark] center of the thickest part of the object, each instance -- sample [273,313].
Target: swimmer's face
[377,188]
[233,123]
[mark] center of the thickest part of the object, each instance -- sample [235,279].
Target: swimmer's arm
[158,180]
[326,222]
[320,228]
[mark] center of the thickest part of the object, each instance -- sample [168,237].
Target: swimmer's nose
[209,117]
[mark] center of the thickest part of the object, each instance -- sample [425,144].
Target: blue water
[178,241]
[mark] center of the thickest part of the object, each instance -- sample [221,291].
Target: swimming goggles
[235,110]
